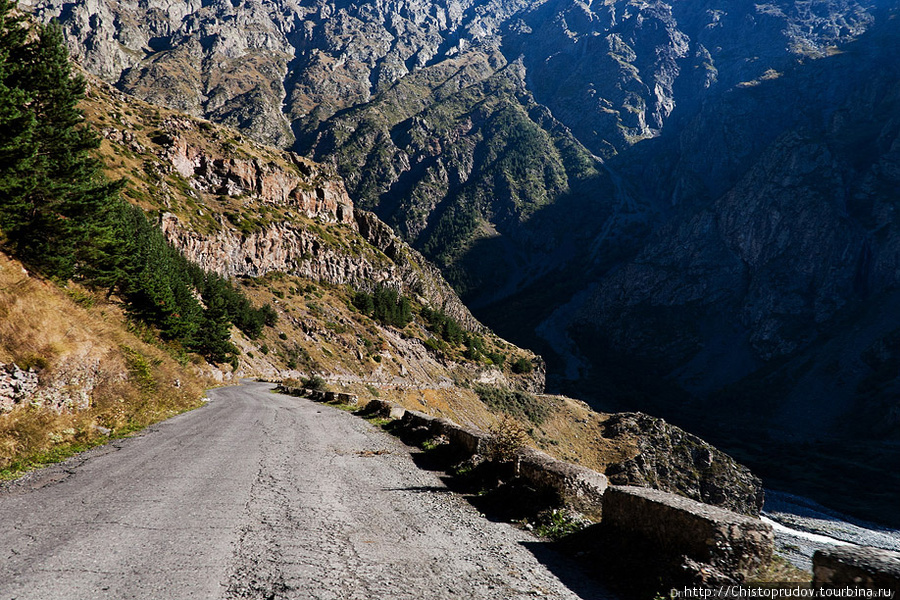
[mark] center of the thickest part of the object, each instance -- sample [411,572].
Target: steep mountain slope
[285,224]
[283,227]
[74,372]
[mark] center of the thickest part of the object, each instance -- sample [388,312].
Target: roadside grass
[76,341]
[31,438]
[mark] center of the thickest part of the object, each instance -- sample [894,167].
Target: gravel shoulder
[260,495]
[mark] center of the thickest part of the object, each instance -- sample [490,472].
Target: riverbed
[803,526]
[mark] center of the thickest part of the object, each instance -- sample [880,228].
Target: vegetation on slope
[76,340]
[450,158]
[65,219]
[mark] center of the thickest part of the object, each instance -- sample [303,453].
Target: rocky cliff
[243,210]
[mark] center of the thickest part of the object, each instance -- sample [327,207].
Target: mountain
[355,309]
[686,206]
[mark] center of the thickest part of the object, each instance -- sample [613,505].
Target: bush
[522,366]
[314,382]
[507,437]
[513,402]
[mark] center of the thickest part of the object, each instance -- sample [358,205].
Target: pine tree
[55,203]
[60,214]
[17,123]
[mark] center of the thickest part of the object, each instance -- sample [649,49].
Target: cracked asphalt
[260,495]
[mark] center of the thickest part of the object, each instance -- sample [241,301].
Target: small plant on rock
[558,523]
[315,383]
[508,437]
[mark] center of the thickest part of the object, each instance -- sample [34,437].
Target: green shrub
[314,382]
[513,402]
[522,366]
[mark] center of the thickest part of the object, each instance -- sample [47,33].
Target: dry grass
[64,334]
[508,437]
[780,571]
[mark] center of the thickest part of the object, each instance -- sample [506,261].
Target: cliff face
[470,127]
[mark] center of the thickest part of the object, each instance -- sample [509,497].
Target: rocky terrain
[688,207]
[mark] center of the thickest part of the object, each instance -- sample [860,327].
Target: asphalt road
[259,495]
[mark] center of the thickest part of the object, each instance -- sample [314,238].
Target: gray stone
[680,527]
[574,486]
[856,566]
[465,440]
[350,399]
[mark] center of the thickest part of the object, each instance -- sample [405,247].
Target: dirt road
[259,495]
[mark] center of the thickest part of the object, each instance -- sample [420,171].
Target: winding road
[260,495]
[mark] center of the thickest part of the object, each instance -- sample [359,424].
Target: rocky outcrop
[68,387]
[670,459]
[16,386]
[279,247]
[309,191]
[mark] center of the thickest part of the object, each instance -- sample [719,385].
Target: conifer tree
[17,123]
[55,202]
[60,215]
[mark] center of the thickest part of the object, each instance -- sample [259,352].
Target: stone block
[413,419]
[856,566]
[350,399]
[463,440]
[384,409]
[679,527]
[573,486]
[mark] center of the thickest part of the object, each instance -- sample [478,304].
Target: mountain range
[686,207]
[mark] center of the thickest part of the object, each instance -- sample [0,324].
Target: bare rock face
[16,386]
[315,194]
[68,387]
[672,460]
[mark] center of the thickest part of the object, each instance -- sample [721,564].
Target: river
[803,526]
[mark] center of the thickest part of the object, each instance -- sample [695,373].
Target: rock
[572,486]
[856,567]
[673,460]
[676,527]
[17,387]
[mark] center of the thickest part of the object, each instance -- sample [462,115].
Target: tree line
[62,217]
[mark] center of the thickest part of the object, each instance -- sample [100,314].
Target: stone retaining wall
[680,527]
[574,486]
[683,531]
[856,566]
